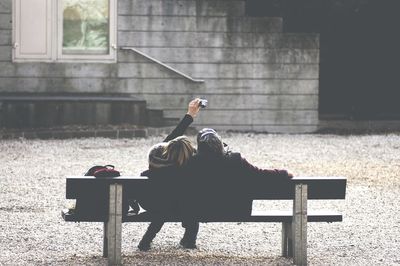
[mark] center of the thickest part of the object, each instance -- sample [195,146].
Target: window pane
[86,26]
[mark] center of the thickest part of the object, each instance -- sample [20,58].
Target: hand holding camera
[195,105]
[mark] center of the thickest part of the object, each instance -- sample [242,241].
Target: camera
[203,103]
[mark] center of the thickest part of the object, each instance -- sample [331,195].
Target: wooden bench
[294,222]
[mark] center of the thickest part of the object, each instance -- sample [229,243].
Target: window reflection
[85,26]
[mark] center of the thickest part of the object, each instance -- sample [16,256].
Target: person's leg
[150,234]
[189,238]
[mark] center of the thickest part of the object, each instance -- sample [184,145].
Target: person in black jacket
[219,181]
[215,182]
[167,161]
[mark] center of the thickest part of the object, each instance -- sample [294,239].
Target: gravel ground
[32,193]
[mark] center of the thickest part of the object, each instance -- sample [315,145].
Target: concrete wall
[256,77]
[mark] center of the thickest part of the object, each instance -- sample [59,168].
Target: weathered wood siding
[256,77]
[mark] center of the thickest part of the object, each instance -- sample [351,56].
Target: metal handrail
[162,64]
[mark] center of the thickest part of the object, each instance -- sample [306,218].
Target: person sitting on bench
[205,178]
[218,181]
[165,173]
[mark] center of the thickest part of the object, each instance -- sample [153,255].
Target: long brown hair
[179,150]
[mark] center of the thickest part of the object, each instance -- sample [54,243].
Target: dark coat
[166,182]
[219,186]
[164,196]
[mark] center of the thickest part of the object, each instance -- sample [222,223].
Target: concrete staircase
[256,76]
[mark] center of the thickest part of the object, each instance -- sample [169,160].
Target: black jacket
[180,129]
[166,182]
[208,185]
[222,186]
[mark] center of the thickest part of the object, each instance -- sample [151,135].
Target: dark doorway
[359,52]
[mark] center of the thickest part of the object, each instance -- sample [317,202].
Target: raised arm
[180,129]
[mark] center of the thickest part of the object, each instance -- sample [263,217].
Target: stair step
[182,8]
[200,24]
[220,39]
[45,110]
[156,118]
[223,55]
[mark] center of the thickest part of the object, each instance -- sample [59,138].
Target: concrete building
[64,63]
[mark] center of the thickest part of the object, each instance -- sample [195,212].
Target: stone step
[155,118]
[265,117]
[76,131]
[178,86]
[221,71]
[237,101]
[199,24]
[219,39]
[182,7]
[220,55]
[46,110]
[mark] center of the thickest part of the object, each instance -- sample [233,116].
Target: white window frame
[55,37]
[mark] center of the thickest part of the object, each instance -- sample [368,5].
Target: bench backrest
[81,186]
[92,194]
[318,187]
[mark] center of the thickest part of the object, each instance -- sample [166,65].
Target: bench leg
[287,246]
[114,225]
[299,225]
[105,240]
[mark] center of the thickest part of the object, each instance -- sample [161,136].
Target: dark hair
[209,142]
[156,158]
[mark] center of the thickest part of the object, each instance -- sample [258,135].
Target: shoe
[144,246]
[188,244]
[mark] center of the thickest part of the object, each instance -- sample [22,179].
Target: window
[64,30]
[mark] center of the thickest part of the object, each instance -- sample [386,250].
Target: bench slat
[81,186]
[318,187]
[324,187]
[257,216]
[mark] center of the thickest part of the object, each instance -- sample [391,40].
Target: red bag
[103,171]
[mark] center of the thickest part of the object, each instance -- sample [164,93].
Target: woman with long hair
[167,162]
